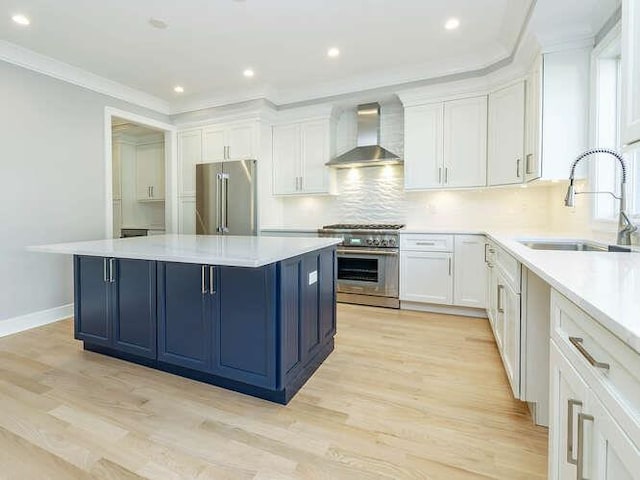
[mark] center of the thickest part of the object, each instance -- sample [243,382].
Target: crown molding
[25,58]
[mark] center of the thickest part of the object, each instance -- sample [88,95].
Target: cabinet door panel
[470,271]
[244,346]
[511,343]
[423,146]
[465,142]
[315,153]
[310,326]
[190,154]
[214,144]
[134,307]
[327,280]
[184,316]
[92,322]
[150,171]
[506,136]
[568,394]
[630,71]
[240,140]
[290,284]
[286,159]
[609,453]
[426,277]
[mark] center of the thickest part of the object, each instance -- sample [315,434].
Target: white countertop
[605,285]
[202,249]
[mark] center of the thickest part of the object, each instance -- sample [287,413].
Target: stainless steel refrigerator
[226,198]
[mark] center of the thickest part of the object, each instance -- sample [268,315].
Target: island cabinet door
[290,279]
[245,331]
[310,322]
[92,319]
[185,315]
[327,286]
[134,306]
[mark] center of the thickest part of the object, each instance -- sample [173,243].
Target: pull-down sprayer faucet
[625,227]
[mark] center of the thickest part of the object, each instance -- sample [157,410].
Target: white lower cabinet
[426,277]
[469,286]
[594,428]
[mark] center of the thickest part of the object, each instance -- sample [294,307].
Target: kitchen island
[252,314]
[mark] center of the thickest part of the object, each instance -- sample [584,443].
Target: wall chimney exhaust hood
[368,153]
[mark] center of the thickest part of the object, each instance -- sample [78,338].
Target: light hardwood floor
[405,395]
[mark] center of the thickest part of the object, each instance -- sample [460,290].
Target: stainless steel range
[368,263]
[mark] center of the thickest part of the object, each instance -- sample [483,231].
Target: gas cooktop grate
[364,226]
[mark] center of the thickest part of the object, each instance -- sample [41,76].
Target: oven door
[368,271]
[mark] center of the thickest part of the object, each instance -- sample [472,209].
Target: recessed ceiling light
[248,73]
[21,19]
[157,23]
[333,52]
[178,89]
[452,24]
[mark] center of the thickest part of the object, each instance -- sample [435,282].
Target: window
[605,174]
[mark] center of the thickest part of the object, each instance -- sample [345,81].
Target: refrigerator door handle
[225,202]
[219,209]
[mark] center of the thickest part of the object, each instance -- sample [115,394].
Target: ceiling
[209,43]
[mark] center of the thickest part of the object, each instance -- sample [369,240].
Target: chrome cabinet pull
[301,179]
[297,184]
[577,342]
[449,266]
[228,152]
[528,164]
[500,307]
[426,244]
[104,266]
[518,167]
[151,191]
[570,404]
[439,174]
[212,282]
[582,417]
[203,280]
[111,264]
[486,247]
[446,174]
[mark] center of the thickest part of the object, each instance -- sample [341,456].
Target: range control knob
[384,243]
[369,241]
[376,241]
[392,242]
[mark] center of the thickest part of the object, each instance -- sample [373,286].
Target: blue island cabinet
[115,304]
[261,331]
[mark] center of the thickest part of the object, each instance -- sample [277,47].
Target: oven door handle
[381,251]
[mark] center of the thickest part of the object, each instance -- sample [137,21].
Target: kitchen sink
[572,246]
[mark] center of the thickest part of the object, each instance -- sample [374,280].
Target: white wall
[52,182]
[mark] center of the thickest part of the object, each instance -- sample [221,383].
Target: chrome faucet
[625,227]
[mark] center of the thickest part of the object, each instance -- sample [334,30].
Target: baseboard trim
[35,319]
[445,309]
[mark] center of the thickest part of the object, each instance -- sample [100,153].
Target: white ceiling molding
[36,62]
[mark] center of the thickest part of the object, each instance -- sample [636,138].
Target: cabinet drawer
[426,243]
[510,268]
[611,368]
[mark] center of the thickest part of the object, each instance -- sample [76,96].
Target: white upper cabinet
[150,172]
[630,71]
[423,146]
[229,142]
[565,107]
[506,135]
[446,144]
[286,159]
[465,142]
[300,152]
[533,134]
[189,155]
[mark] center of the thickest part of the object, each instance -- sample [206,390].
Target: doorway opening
[140,182]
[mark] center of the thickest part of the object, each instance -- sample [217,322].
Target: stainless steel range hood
[368,153]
